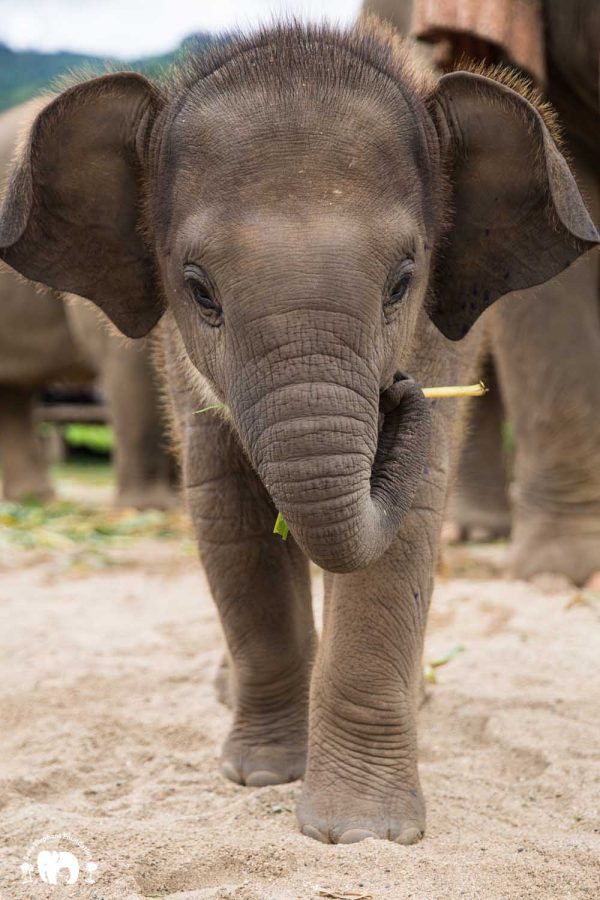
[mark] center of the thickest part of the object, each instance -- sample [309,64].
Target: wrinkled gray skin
[45,338]
[293,186]
[545,347]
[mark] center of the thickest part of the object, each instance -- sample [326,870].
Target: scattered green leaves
[65,525]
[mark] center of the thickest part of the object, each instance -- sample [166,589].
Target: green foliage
[97,438]
[25,73]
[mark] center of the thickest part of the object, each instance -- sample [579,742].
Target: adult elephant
[44,337]
[545,348]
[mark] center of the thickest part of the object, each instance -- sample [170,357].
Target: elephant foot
[341,809]
[568,547]
[362,779]
[267,743]
[259,765]
[38,491]
[478,523]
[153,496]
[257,759]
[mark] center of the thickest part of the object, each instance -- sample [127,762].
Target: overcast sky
[131,28]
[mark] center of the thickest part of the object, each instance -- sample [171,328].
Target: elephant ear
[518,216]
[71,213]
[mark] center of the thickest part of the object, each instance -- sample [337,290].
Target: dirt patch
[111,732]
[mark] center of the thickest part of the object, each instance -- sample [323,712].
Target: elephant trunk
[342,484]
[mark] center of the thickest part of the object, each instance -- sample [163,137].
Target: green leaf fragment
[443,660]
[429,673]
[281,527]
[433,664]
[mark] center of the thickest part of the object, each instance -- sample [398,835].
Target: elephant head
[51,862]
[300,201]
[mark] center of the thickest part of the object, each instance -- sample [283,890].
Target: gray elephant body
[357,222]
[50,337]
[545,346]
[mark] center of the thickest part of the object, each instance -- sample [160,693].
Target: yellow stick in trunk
[456,390]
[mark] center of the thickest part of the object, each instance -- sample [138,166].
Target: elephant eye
[400,282]
[202,294]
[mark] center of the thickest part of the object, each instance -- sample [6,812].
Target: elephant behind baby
[46,336]
[544,346]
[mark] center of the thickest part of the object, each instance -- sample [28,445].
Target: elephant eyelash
[399,283]
[202,294]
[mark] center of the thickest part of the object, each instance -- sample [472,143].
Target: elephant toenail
[314,833]
[231,772]
[409,836]
[263,777]
[354,835]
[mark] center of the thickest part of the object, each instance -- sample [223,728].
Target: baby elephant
[317,222]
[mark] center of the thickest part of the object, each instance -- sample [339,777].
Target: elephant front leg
[362,778]
[261,587]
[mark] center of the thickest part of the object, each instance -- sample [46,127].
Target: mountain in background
[24,73]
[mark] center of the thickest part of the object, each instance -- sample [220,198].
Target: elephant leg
[479,501]
[261,587]
[362,778]
[143,462]
[547,347]
[24,465]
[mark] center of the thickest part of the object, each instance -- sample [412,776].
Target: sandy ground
[110,732]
